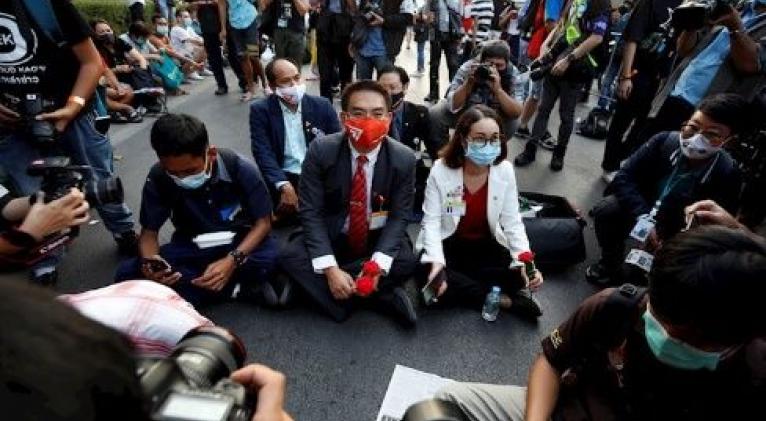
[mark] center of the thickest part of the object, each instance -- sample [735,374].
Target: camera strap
[42,13]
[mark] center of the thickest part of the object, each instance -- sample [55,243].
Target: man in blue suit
[281,127]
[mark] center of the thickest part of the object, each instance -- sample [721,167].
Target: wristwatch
[239,257]
[19,238]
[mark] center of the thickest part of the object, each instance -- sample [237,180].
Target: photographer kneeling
[24,225]
[488,80]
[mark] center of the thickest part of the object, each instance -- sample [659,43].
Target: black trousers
[448,45]
[473,268]
[334,63]
[295,261]
[566,92]
[612,224]
[635,109]
[215,59]
[673,113]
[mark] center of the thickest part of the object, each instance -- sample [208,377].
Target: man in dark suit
[281,127]
[411,126]
[356,195]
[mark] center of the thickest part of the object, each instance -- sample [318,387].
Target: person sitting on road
[190,45]
[118,55]
[282,126]
[203,190]
[472,228]
[689,349]
[488,79]
[670,172]
[160,39]
[138,38]
[355,202]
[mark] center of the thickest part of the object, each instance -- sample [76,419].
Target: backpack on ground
[595,125]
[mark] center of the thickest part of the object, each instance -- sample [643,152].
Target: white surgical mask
[698,147]
[187,22]
[162,29]
[194,181]
[291,94]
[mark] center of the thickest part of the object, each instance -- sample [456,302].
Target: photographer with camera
[23,225]
[46,375]
[565,65]
[490,79]
[723,51]
[49,70]
[378,33]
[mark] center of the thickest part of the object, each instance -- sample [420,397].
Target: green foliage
[113,11]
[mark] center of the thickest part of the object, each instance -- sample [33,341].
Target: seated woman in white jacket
[472,228]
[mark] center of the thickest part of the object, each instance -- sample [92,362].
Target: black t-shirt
[118,55]
[207,14]
[286,15]
[643,28]
[29,61]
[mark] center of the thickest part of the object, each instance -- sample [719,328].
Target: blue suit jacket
[267,131]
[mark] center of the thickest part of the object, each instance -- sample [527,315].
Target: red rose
[527,257]
[371,268]
[364,286]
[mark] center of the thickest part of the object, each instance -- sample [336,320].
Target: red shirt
[474,225]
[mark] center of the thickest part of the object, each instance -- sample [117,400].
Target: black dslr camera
[434,410]
[483,72]
[693,15]
[540,68]
[59,177]
[193,383]
[369,9]
[43,133]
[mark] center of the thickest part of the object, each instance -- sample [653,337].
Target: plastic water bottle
[491,305]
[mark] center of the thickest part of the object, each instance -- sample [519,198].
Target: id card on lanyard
[646,222]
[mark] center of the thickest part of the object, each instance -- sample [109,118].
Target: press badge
[640,258]
[454,205]
[282,23]
[378,220]
[643,227]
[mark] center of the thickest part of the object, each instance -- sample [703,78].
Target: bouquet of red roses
[528,258]
[365,283]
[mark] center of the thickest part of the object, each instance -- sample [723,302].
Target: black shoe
[47,279]
[525,304]
[261,294]
[400,305]
[527,157]
[547,141]
[522,133]
[557,162]
[127,243]
[286,296]
[600,275]
[221,91]
[431,98]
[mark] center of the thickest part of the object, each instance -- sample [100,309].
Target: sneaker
[262,294]
[522,133]
[195,76]
[206,72]
[527,157]
[525,304]
[135,117]
[547,141]
[141,110]
[608,176]
[127,243]
[46,279]
[557,162]
[600,275]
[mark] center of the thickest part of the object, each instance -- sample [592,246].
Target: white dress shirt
[383,260]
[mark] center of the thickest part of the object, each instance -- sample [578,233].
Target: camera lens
[208,354]
[104,191]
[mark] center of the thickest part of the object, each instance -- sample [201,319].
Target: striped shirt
[482,12]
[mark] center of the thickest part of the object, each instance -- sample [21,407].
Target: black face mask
[396,99]
[107,38]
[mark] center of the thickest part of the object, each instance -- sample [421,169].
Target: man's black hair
[495,49]
[731,110]
[156,17]
[139,28]
[403,76]
[360,86]
[711,279]
[56,364]
[269,70]
[179,134]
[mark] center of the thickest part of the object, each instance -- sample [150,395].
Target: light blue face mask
[676,353]
[194,181]
[482,154]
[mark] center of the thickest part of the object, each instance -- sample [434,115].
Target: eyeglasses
[481,142]
[690,129]
[376,114]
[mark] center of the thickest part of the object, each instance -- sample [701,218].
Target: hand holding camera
[44,219]
[8,117]
[269,386]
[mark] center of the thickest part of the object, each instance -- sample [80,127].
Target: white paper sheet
[408,386]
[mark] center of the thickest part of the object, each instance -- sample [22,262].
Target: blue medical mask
[194,181]
[676,353]
[482,154]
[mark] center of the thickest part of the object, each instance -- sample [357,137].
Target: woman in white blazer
[471,227]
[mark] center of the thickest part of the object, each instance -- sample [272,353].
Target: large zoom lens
[208,354]
[104,191]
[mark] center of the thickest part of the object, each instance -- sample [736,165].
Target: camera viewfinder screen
[194,408]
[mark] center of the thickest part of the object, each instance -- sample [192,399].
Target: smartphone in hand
[431,290]
[157,264]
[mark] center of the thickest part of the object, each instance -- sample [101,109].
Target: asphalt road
[341,371]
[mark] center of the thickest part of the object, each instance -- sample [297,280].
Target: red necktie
[357,214]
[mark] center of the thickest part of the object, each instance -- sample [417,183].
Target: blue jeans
[364,65]
[422,56]
[191,261]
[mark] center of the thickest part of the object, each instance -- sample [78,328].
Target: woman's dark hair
[713,280]
[453,152]
[97,21]
[403,77]
[138,29]
[360,86]
[731,110]
[59,365]
[179,134]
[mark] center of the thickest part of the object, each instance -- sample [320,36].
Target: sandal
[134,117]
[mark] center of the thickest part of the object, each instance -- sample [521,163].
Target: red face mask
[366,133]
